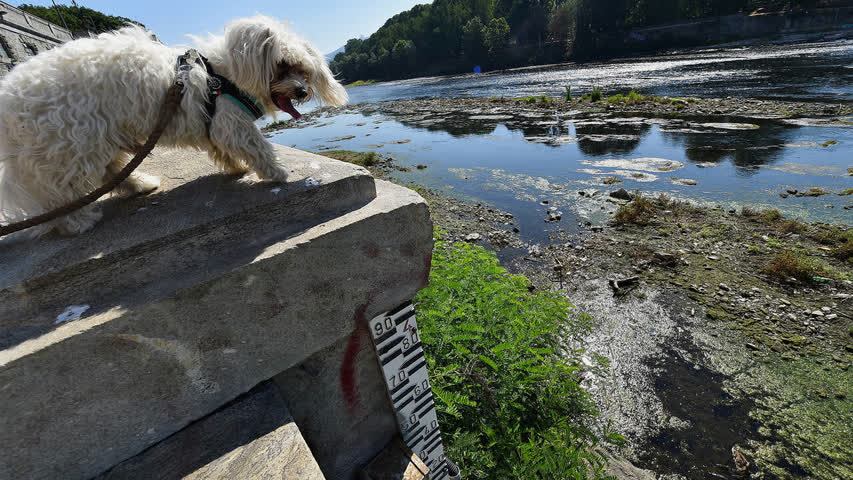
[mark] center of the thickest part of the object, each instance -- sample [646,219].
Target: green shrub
[506,387]
[833,236]
[791,226]
[770,216]
[790,265]
[844,251]
[638,212]
[568,94]
[596,95]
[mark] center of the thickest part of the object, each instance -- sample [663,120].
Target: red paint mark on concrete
[348,385]
[348,367]
[427,267]
[370,250]
[408,250]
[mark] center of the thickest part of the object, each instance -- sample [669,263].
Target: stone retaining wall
[23,35]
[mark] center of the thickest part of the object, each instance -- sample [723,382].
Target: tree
[79,19]
[562,24]
[403,55]
[474,39]
[497,34]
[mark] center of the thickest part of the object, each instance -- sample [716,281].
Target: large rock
[216,286]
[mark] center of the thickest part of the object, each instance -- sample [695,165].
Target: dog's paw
[274,175]
[78,222]
[140,183]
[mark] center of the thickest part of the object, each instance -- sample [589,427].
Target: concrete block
[193,301]
[253,437]
[396,462]
[354,421]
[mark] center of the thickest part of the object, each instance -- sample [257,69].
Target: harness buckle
[184,65]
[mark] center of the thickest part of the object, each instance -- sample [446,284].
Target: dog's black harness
[218,85]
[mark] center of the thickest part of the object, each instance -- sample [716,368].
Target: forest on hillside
[80,20]
[452,36]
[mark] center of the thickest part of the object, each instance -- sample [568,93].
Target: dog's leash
[170,106]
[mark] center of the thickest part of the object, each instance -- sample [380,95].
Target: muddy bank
[710,353]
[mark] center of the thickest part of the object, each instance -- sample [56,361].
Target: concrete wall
[221,327]
[23,35]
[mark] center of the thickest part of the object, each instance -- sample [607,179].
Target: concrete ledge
[252,437]
[191,307]
[188,232]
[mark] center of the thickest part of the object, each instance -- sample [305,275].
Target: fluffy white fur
[71,117]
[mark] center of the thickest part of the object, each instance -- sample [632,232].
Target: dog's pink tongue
[285,104]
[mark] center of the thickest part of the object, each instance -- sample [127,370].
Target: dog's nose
[301,93]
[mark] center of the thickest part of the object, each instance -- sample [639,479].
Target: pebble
[725,287]
[472,237]
[817,313]
[831,316]
[825,309]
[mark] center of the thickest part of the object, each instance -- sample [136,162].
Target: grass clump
[749,212]
[813,192]
[833,236]
[568,96]
[631,97]
[844,251]
[638,212]
[506,387]
[364,159]
[829,143]
[790,265]
[790,226]
[534,99]
[596,95]
[359,83]
[769,217]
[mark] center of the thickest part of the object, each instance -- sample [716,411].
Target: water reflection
[513,158]
[610,138]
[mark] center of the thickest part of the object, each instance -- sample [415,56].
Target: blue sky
[326,23]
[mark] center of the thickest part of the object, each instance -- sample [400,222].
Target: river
[821,72]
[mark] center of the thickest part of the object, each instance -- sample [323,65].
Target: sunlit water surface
[515,163]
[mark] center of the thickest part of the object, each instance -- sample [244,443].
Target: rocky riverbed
[709,355]
[729,331]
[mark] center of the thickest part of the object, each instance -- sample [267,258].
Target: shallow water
[810,72]
[516,161]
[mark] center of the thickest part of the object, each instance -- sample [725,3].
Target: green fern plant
[506,388]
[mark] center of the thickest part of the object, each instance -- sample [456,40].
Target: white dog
[71,117]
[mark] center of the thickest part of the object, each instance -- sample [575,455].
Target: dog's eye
[283,69]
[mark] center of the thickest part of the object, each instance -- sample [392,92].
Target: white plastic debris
[71,313]
[276,190]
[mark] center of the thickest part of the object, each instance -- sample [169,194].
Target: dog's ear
[324,82]
[251,45]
